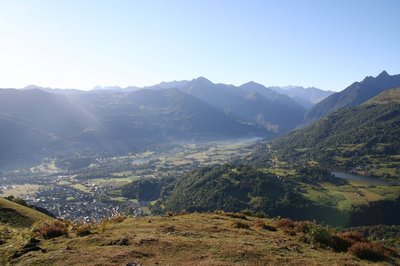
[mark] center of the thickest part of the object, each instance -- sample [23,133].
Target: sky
[80,44]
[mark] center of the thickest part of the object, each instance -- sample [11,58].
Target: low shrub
[368,251]
[289,232]
[117,218]
[265,226]
[5,234]
[103,225]
[352,236]
[320,235]
[261,215]
[172,214]
[235,215]
[52,229]
[183,213]
[284,223]
[83,229]
[247,212]
[240,225]
[304,226]
[342,241]
[340,244]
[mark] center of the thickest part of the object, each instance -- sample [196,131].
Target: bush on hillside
[240,225]
[83,229]
[368,251]
[304,226]
[342,241]
[235,215]
[262,225]
[5,234]
[284,223]
[52,229]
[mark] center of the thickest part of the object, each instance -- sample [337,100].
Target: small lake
[367,179]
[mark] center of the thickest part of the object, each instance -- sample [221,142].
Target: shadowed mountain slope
[355,94]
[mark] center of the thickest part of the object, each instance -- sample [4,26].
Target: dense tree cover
[146,189]
[232,188]
[237,188]
[316,174]
[75,163]
[377,212]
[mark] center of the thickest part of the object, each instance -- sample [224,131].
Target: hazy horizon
[73,44]
[154,84]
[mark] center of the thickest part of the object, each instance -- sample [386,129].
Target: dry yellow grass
[189,239]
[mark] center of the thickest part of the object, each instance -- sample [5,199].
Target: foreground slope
[190,239]
[363,138]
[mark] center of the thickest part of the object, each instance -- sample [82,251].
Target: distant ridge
[355,94]
[251,102]
[306,97]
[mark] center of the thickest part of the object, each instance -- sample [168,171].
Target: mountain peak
[106,88]
[32,86]
[202,80]
[252,84]
[383,74]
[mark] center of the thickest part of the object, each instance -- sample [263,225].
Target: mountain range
[357,93]
[276,111]
[306,97]
[38,122]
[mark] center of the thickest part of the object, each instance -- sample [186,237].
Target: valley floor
[66,193]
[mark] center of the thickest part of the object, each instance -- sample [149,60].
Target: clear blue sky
[83,43]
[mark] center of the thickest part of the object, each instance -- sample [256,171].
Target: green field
[21,190]
[354,193]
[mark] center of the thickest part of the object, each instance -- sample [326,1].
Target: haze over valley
[199,133]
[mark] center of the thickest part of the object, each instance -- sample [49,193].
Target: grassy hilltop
[215,238]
